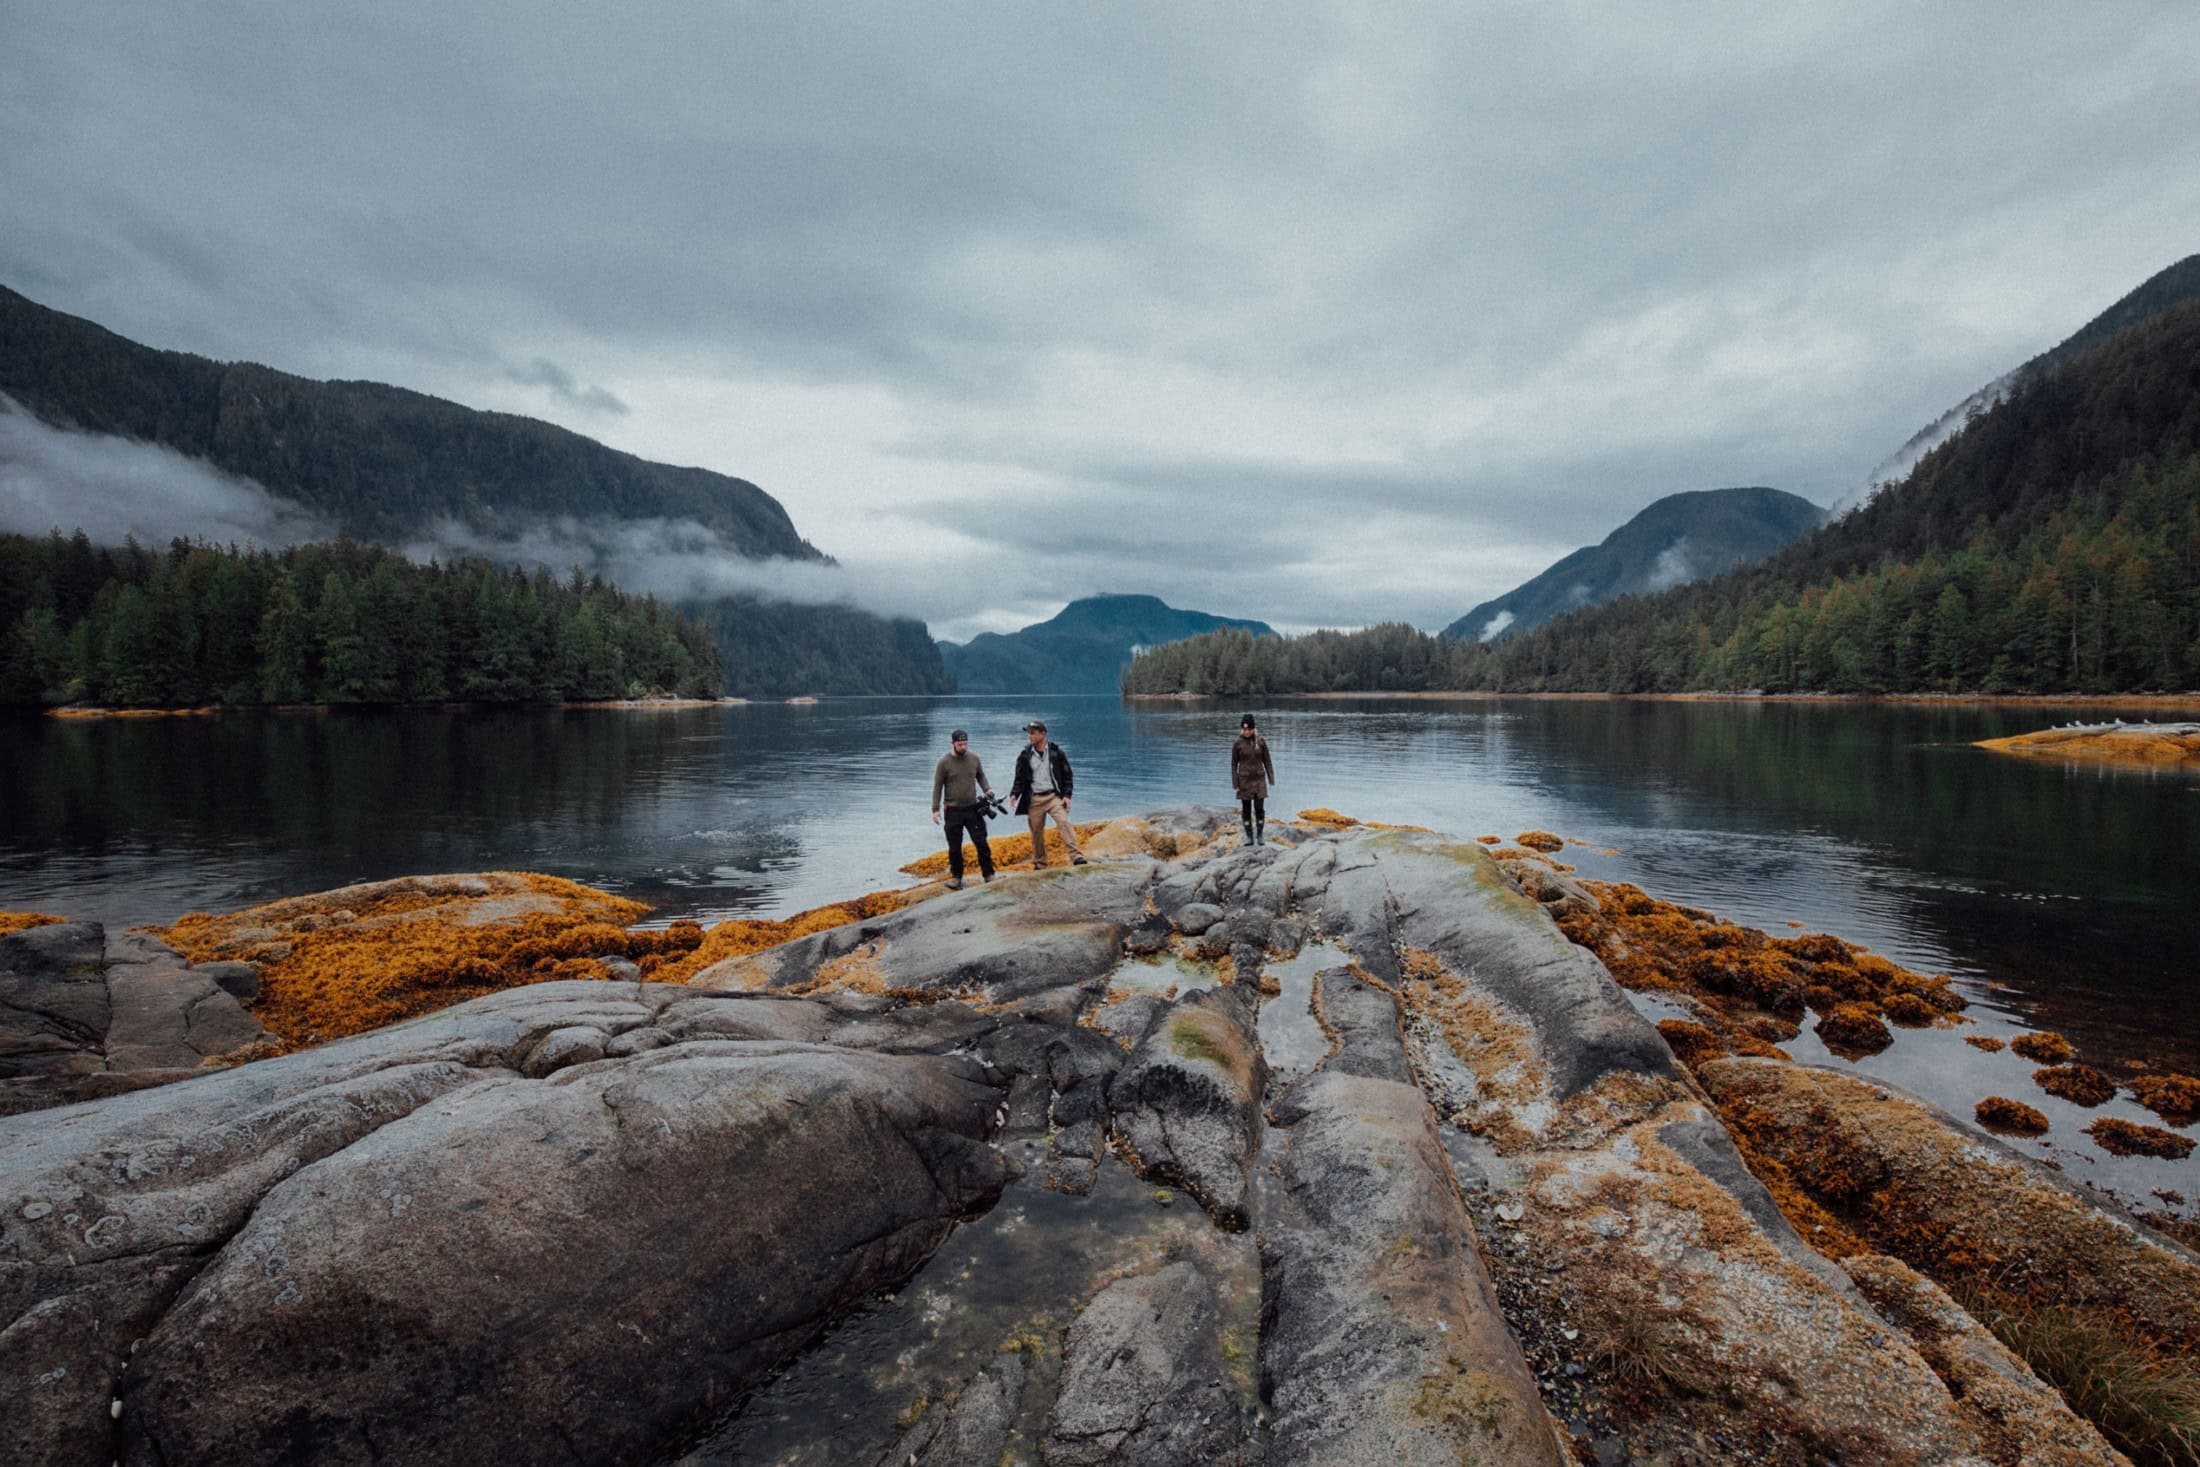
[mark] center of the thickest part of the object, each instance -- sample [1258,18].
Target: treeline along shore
[2051,547]
[198,624]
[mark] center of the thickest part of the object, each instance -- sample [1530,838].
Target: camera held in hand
[993,807]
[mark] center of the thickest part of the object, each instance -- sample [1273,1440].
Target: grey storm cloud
[1308,312]
[542,372]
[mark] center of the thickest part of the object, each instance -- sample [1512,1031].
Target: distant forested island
[2052,546]
[338,623]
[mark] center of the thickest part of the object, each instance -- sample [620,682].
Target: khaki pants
[1041,807]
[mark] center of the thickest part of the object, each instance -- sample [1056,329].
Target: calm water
[2065,896]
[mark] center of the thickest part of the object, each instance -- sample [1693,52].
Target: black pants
[1253,810]
[969,818]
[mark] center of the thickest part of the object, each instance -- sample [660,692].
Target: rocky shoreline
[2152,744]
[1335,1150]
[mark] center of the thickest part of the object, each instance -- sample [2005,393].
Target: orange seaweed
[1998,1113]
[2046,1047]
[2127,1138]
[2174,1098]
[1008,850]
[24,921]
[2081,1084]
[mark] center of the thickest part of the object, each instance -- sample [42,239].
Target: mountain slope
[2051,546]
[1678,539]
[2161,291]
[378,462]
[1082,649]
[389,466]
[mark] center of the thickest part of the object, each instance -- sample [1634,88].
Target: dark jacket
[1250,767]
[1019,793]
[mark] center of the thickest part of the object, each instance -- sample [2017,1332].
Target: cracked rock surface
[85,1012]
[905,1191]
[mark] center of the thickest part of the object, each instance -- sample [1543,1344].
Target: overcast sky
[1325,315]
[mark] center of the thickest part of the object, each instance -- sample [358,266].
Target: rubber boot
[1247,827]
[1260,832]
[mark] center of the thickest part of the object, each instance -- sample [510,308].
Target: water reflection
[2071,887]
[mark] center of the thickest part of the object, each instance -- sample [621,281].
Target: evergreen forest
[343,622]
[2052,546]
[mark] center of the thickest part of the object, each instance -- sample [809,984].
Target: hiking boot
[988,878]
[1078,861]
[954,883]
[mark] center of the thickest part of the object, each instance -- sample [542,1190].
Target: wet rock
[1149,937]
[382,1233]
[1142,1380]
[1127,1019]
[1286,936]
[974,1427]
[1188,1101]
[241,981]
[1382,1341]
[1196,917]
[84,1013]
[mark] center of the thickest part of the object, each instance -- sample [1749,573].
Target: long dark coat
[1250,767]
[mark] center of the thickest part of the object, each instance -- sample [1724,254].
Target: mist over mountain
[1083,648]
[1678,539]
[125,440]
[2158,293]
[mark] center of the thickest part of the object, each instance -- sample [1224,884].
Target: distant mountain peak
[1680,538]
[1083,648]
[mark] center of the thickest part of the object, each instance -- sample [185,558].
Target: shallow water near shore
[2061,896]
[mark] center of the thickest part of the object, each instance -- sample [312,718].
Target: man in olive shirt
[959,776]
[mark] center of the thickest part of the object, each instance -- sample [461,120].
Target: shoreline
[2073,700]
[73,712]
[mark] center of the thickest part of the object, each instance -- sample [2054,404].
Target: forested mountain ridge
[337,623]
[2052,546]
[377,462]
[1083,648]
[2164,289]
[1680,538]
[396,467]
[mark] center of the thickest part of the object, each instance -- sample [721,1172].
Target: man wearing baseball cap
[959,776]
[1042,788]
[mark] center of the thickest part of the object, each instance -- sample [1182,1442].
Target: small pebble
[114,1409]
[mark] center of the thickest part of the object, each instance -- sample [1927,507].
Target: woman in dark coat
[1251,771]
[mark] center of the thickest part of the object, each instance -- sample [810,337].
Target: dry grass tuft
[1986,1042]
[1540,840]
[24,921]
[1997,1113]
[1327,818]
[2146,1404]
[2127,1138]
